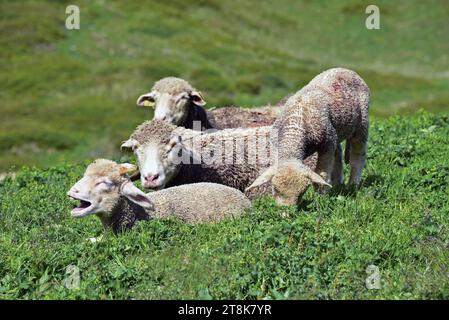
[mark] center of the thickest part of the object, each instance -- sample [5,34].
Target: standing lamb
[333,107]
[170,156]
[107,191]
[177,102]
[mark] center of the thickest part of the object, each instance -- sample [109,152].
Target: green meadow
[398,222]
[68,97]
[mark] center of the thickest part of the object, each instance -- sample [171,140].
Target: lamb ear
[130,191]
[146,100]
[127,168]
[316,178]
[262,179]
[129,144]
[173,142]
[197,98]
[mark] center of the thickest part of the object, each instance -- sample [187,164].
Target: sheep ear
[197,98]
[129,144]
[262,179]
[146,100]
[316,178]
[127,168]
[134,194]
[173,142]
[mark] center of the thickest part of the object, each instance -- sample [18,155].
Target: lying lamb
[170,156]
[177,102]
[333,107]
[107,191]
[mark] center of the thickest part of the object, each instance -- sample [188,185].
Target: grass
[70,95]
[398,221]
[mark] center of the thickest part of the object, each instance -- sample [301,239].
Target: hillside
[67,96]
[398,222]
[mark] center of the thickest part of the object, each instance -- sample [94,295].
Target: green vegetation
[398,221]
[70,95]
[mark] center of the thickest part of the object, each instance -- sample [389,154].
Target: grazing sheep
[333,107]
[107,191]
[170,156]
[177,102]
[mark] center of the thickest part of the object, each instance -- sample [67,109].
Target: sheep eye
[170,146]
[105,183]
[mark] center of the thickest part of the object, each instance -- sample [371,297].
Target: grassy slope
[398,221]
[69,95]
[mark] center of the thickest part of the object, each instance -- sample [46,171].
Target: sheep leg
[357,159]
[337,171]
[324,168]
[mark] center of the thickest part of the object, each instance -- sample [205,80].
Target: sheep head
[101,187]
[171,97]
[159,153]
[289,180]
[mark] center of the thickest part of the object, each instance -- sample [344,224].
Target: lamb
[107,191]
[169,156]
[177,102]
[333,107]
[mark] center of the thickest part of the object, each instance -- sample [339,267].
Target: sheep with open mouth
[107,191]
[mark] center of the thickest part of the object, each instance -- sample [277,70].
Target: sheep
[177,102]
[169,156]
[107,191]
[333,107]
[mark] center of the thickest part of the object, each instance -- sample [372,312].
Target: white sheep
[177,102]
[332,108]
[168,156]
[107,191]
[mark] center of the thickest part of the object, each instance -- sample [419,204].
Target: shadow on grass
[350,191]
[306,204]
[372,179]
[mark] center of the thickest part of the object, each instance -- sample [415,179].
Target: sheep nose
[72,190]
[152,178]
